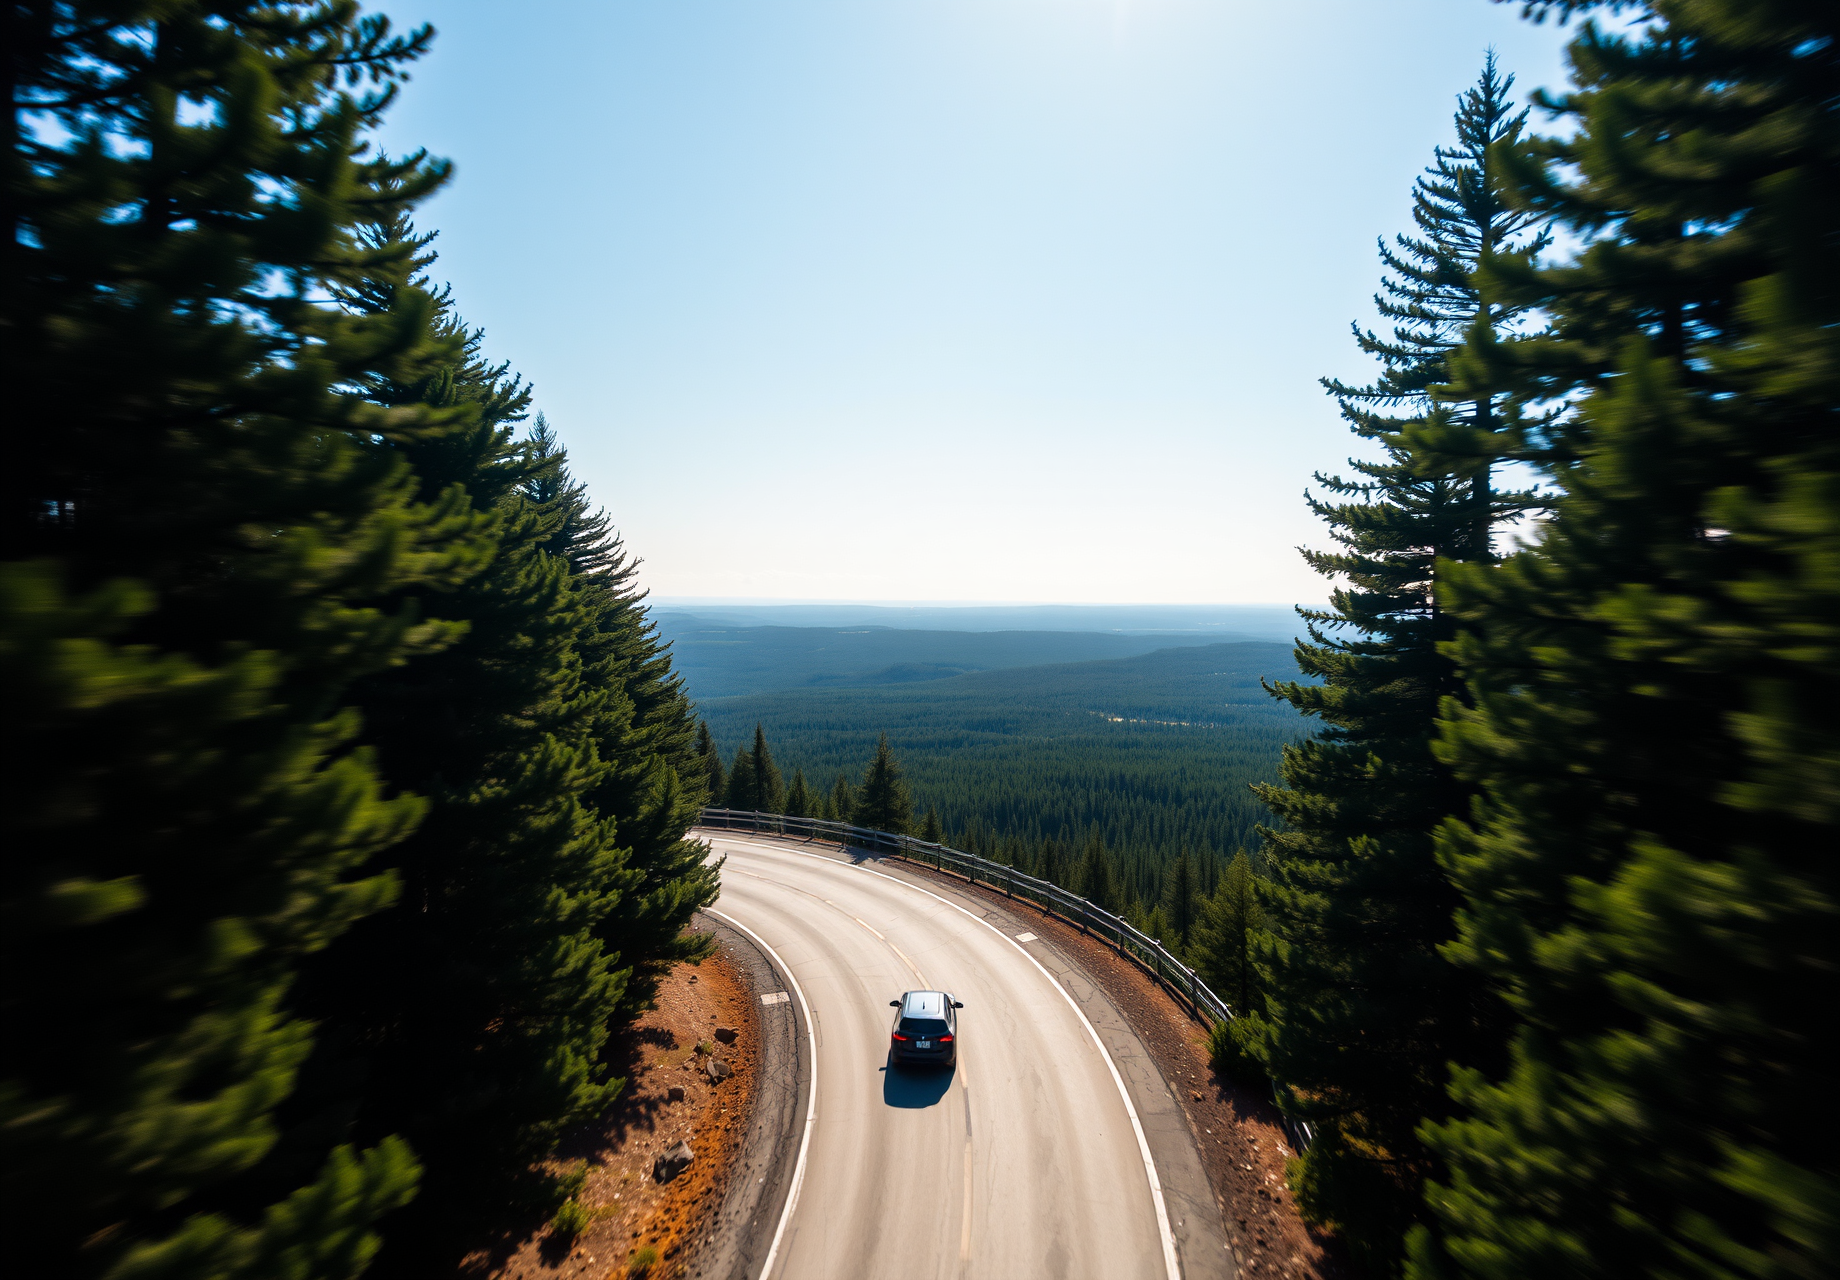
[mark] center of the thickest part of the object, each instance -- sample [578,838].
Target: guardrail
[1147,951]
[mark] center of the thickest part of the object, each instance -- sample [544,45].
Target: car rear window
[923,1027]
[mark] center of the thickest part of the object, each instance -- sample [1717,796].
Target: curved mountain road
[1028,1159]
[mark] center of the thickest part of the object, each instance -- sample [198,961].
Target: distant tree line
[346,783]
[753,783]
[1545,938]
[1029,777]
[1196,905]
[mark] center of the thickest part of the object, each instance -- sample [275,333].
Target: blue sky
[968,300]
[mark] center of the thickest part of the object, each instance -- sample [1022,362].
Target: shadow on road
[915,1086]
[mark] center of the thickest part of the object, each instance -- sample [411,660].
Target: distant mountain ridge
[720,660]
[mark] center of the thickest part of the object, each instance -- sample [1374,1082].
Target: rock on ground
[673,1162]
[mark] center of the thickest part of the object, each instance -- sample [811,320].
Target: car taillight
[945,1039]
[897,1035]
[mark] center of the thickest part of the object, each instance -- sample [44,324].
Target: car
[925,1029]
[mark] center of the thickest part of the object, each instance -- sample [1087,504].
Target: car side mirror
[894,1004]
[958,1004]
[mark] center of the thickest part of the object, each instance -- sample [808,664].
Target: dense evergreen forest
[346,781]
[718,661]
[1154,754]
[1543,944]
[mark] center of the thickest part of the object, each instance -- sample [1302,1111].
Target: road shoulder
[739,1233]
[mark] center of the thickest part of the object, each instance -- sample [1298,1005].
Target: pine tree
[929,829]
[883,803]
[1013,852]
[1050,863]
[716,777]
[842,801]
[769,786]
[1097,876]
[799,800]
[1649,876]
[200,535]
[743,790]
[579,532]
[1362,1011]
[1181,901]
[652,789]
[475,1011]
[1226,936]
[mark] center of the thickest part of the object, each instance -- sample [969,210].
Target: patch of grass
[642,1262]
[571,1219]
[1233,1050]
[569,1185]
[704,1047]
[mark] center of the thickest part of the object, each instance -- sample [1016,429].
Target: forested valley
[1150,757]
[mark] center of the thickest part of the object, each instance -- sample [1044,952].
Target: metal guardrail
[1147,951]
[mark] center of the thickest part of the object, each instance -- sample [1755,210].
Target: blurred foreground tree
[1649,874]
[1363,1013]
[205,538]
[474,1011]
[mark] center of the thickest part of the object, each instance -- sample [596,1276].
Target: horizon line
[769,601]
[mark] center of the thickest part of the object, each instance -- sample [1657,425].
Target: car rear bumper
[923,1057]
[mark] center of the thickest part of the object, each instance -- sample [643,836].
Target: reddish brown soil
[630,1210]
[1243,1143]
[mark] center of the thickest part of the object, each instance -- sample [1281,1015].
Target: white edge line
[811,1107]
[1170,1264]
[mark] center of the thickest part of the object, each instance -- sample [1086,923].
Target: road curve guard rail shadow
[1147,951]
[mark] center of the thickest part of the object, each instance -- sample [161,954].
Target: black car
[925,1029]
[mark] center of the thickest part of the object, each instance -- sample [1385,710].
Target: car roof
[924,1004]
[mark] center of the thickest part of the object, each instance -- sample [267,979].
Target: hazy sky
[1017,300]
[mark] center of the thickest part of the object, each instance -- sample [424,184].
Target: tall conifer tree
[1097,875]
[1226,936]
[653,788]
[203,533]
[715,776]
[799,802]
[1181,900]
[743,792]
[475,1010]
[1649,875]
[929,827]
[1363,1011]
[842,800]
[769,786]
[883,803]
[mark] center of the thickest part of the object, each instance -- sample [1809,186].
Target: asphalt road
[1026,1160]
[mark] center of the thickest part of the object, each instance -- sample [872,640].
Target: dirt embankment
[669,1098]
